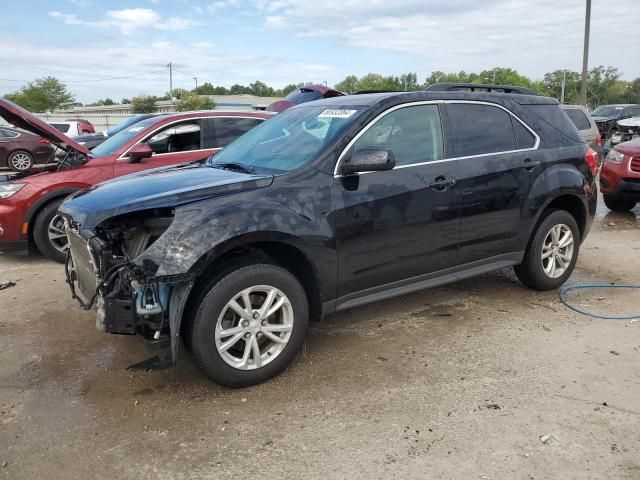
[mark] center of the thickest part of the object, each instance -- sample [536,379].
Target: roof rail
[479,87]
[365,92]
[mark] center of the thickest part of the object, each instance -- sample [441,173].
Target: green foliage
[178,93]
[552,85]
[125,101]
[43,95]
[144,104]
[348,85]
[290,88]
[106,101]
[192,101]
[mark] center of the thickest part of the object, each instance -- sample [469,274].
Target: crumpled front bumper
[125,301]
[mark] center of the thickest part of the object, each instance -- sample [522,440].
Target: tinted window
[607,111]
[634,111]
[554,116]
[479,129]
[578,118]
[524,138]
[413,134]
[228,129]
[63,127]
[180,137]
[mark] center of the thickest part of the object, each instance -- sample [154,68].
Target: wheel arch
[278,248]
[43,201]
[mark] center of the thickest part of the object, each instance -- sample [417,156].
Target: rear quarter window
[578,118]
[553,115]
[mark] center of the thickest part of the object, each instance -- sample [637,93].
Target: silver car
[588,129]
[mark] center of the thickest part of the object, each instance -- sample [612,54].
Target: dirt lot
[458,382]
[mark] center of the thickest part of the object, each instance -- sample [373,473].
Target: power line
[90,80]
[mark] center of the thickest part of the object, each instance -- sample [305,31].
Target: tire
[46,226]
[540,274]
[20,161]
[618,204]
[230,359]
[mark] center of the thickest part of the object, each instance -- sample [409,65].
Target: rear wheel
[552,252]
[618,204]
[20,161]
[49,233]
[250,325]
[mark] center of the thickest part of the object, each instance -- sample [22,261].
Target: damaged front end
[101,273]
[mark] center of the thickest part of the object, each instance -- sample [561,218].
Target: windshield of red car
[112,144]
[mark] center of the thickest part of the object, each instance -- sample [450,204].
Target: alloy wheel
[254,327]
[57,234]
[20,161]
[557,250]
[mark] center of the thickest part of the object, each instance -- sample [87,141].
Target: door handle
[441,183]
[531,165]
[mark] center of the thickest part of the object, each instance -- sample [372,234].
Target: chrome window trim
[436,102]
[124,154]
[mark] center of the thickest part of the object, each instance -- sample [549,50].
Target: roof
[371,99]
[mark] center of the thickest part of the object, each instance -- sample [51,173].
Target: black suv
[328,206]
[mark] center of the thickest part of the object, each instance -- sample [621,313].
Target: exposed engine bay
[101,273]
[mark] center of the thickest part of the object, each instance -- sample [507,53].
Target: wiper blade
[235,166]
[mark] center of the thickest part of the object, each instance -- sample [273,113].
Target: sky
[86,43]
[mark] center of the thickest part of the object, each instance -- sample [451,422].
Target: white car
[73,128]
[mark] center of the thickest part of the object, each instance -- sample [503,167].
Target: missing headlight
[132,233]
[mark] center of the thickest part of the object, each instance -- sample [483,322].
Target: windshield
[288,140]
[112,144]
[607,111]
[124,124]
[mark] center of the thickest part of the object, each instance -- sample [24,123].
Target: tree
[239,89]
[260,89]
[193,101]
[125,101]
[290,88]
[552,85]
[43,95]
[348,85]
[106,101]
[178,93]
[144,104]
[600,84]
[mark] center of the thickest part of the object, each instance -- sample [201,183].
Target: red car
[308,93]
[29,202]
[19,150]
[620,176]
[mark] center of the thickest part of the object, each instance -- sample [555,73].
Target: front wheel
[552,252]
[49,233]
[250,325]
[618,204]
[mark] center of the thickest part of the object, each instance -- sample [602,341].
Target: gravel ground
[458,382]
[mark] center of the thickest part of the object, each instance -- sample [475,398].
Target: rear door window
[228,129]
[578,118]
[480,129]
[63,127]
[412,134]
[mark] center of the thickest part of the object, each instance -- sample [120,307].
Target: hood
[22,118]
[168,187]
[630,122]
[280,106]
[603,119]
[631,148]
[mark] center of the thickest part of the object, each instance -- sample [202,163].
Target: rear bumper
[20,247]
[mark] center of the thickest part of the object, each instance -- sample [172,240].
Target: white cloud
[203,45]
[130,20]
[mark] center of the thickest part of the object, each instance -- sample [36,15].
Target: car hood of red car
[18,116]
[631,148]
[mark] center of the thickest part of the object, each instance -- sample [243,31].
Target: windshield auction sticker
[337,113]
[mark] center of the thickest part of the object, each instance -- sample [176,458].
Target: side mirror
[369,160]
[138,152]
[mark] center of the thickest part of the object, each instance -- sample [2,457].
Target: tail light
[42,140]
[591,158]
[598,139]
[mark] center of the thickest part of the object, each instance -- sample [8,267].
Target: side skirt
[421,282]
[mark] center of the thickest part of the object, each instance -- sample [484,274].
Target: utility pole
[170,83]
[564,81]
[585,54]
[196,79]
[494,76]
